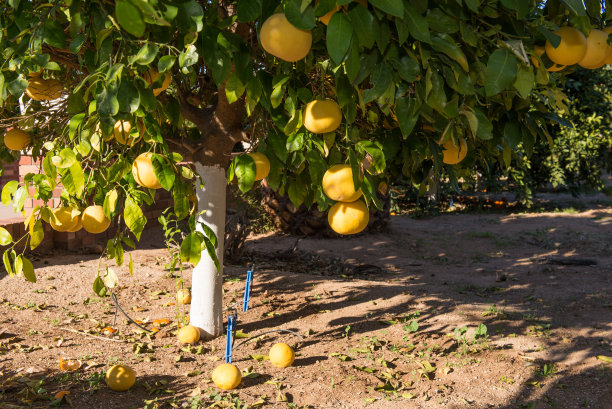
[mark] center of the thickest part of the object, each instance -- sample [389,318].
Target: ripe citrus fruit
[142,169]
[338,184]
[78,225]
[40,89]
[120,378]
[283,40]
[152,75]
[608,59]
[16,139]
[348,218]
[454,154]
[226,376]
[262,165]
[572,48]
[183,296]
[123,135]
[281,355]
[66,219]
[539,50]
[188,335]
[94,220]
[597,50]
[322,116]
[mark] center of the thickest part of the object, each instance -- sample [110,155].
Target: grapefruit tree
[114,97]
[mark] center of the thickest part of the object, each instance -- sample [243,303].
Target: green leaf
[18,265]
[165,63]
[19,199]
[605,358]
[131,265]
[445,44]
[209,233]
[245,172]
[188,57]
[406,114]
[128,97]
[524,82]
[381,79]
[107,103]
[417,23]
[210,249]
[8,190]
[303,20]
[6,259]
[5,237]
[74,180]
[134,218]
[234,88]
[73,125]
[130,18]
[501,71]
[191,248]
[362,18]
[248,10]
[37,234]
[296,192]
[338,37]
[65,159]
[145,55]
[513,134]
[393,7]
[164,171]
[99,288]
[54,34]
[28,270]
[110,202]
[575,6]
[295,142]
[485,127]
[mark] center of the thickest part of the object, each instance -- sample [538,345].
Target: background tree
[416,81]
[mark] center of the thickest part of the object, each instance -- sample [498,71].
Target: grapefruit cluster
[349,215]
[590,52]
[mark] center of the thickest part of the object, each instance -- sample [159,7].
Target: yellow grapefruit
[226,376]
[16,139]
[40,89]
[120,378]
[262,165]
[454,154]
[572,48]
[188,335]
[78,225]
[348,218]
[152,75]
[281,355]
[322,116]
[123,135]
[183,296]
[142,169]
[283,40]
[94,220]
[597,50]
[338,184]
[66,219]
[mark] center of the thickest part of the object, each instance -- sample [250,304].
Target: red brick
[25,169]
[25,160]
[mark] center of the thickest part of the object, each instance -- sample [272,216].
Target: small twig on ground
[90,335]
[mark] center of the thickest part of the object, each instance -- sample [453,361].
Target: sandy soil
[380,319]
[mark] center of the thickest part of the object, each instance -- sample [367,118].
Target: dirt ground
[481,310]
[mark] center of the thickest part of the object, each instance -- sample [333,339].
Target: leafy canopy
[407,74]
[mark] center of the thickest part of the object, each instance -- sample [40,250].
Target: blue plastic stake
[247,291]
[231,320]
[452,203]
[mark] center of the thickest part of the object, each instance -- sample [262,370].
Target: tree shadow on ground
[515,274]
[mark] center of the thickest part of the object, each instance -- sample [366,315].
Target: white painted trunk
[207,283]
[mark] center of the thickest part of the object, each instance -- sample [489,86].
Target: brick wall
[11,172]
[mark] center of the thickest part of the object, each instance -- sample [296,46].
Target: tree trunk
[207,282]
